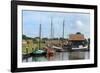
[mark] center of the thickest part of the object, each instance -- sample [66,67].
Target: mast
[63,36]
[63,29]
[63,32]
[39,35]
[51,31]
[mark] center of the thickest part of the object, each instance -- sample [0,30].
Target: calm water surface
[59,56]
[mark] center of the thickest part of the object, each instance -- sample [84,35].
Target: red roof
[76,37]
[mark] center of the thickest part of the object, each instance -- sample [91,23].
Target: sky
[73,22]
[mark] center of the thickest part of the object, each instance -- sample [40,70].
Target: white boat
[80,48]
[56,47]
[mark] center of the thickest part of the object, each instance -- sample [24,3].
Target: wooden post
[26,50]
[26,54]
[32,49]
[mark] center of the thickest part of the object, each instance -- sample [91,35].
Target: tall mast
[51,32]
[63,32]
[63,36]
[51,29]
[63,29]
[39,35]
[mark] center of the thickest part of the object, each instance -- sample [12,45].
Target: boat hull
[38,54]
[79,49]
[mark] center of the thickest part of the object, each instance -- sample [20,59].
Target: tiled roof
[76,37]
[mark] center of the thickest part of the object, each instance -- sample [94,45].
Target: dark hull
[36,54]
[80,50]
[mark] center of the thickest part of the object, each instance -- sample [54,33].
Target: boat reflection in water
[59,56]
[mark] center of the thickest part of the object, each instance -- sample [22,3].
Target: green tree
[26,37]
[78,33]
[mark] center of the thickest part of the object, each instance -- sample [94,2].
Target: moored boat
[50,51]
[80,48]
[58,49]
[38,52]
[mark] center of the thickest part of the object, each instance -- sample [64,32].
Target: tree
[85,42]
[44,39]
[61,38]
[55,38]
[26,37]
[78,33]
[89,40]
[34,40]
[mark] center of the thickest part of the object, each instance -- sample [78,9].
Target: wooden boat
[50,51]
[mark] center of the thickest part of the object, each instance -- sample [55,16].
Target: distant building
[24,42]
[76,37]
[28,41]
[76,40]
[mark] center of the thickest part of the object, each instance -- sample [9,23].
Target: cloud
[79,24]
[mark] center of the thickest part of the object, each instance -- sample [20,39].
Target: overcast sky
[73,22]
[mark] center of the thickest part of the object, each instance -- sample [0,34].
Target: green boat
[39,52]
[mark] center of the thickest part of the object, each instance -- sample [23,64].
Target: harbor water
[76,55]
